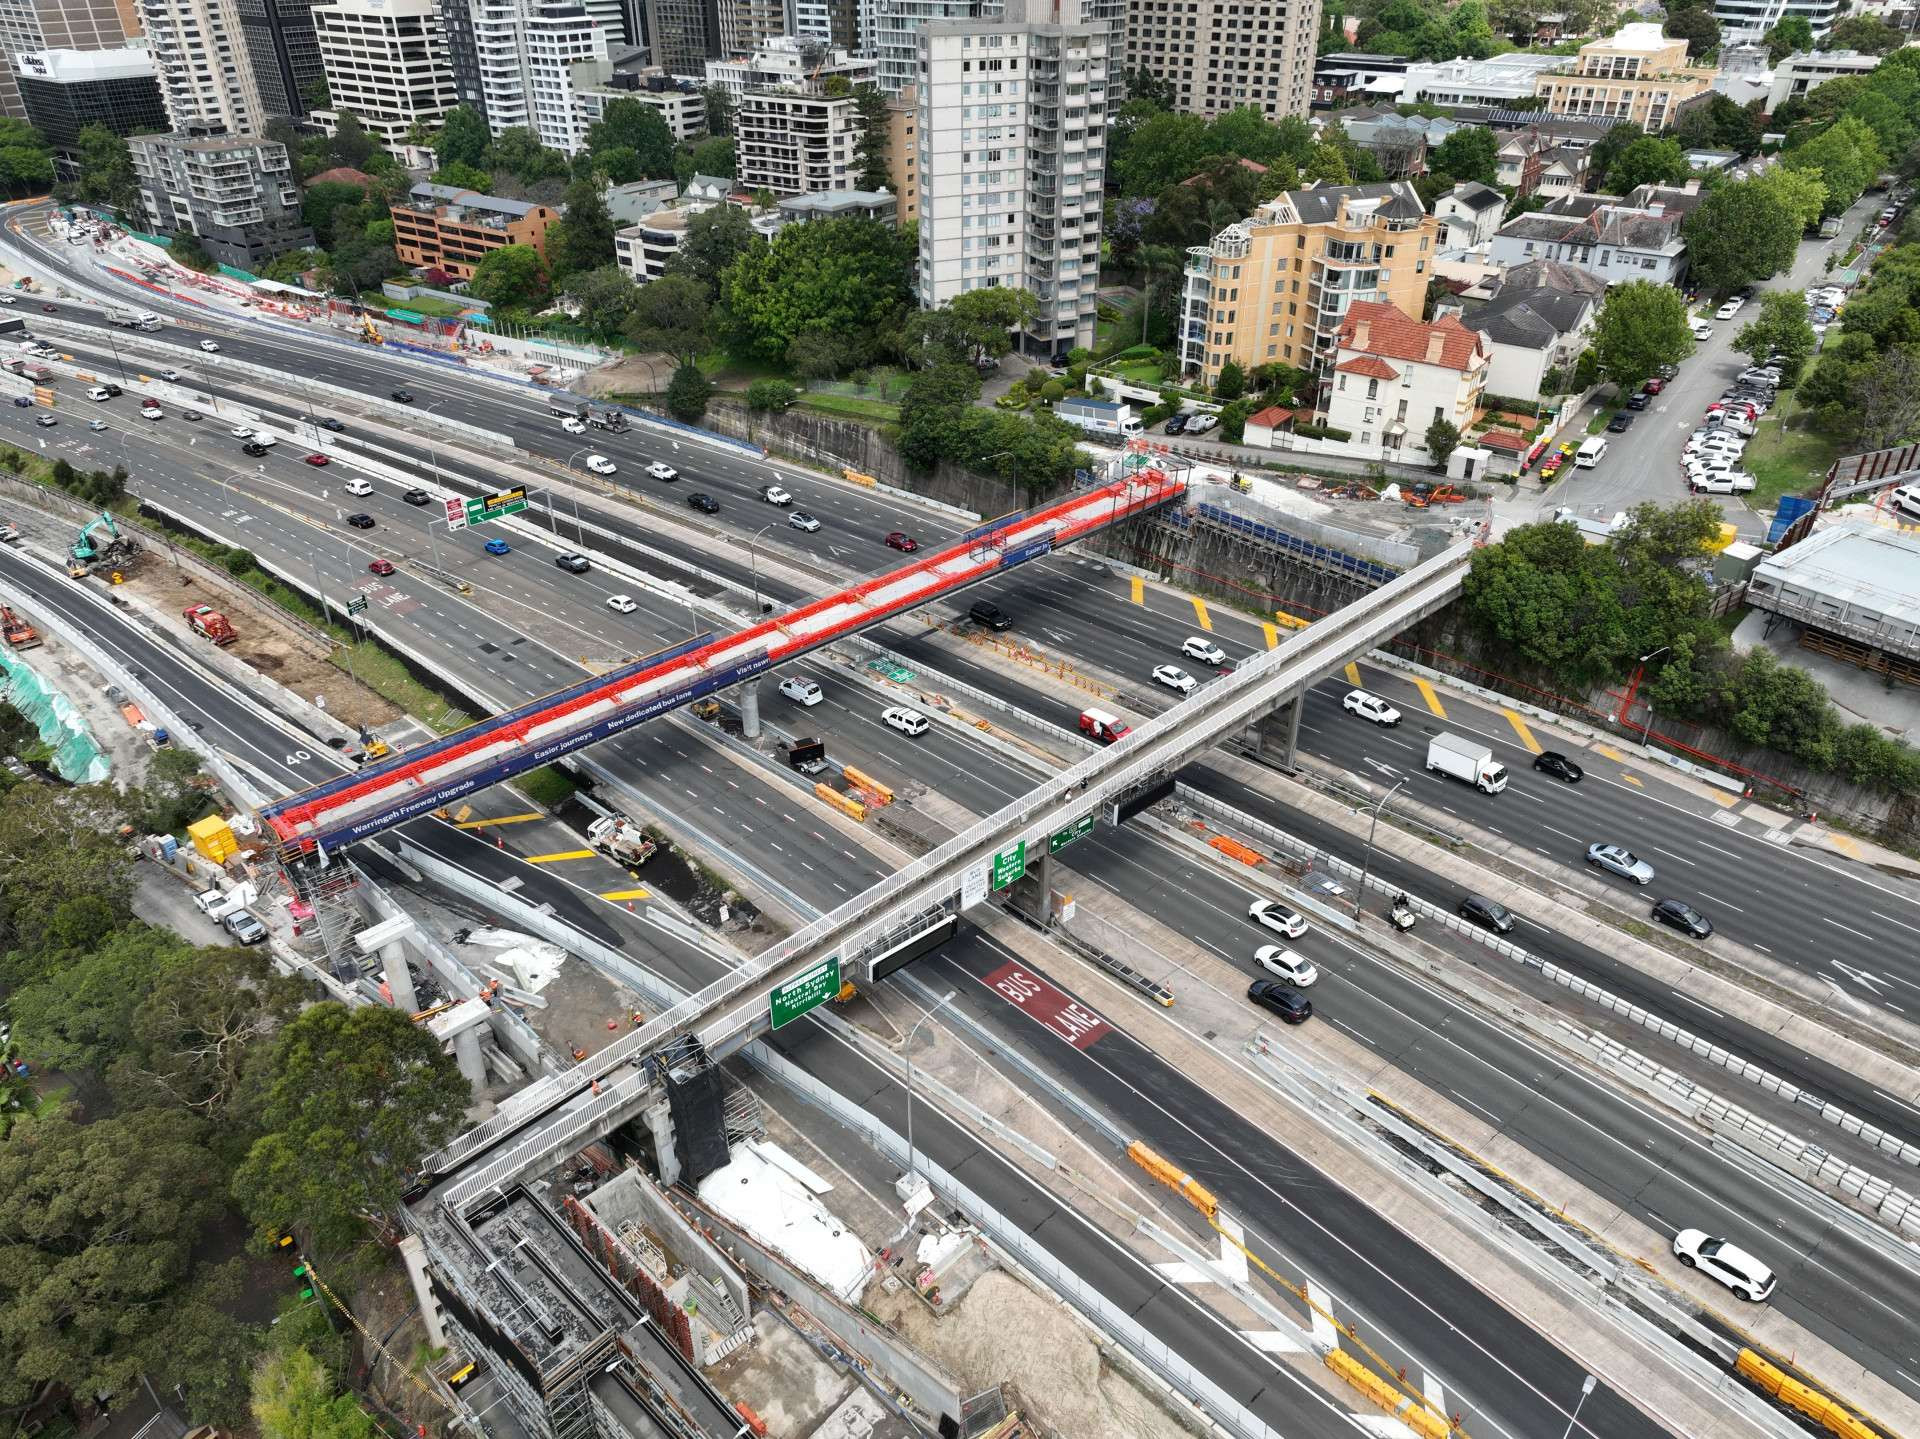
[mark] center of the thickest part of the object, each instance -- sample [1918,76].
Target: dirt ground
[629,375]
[1003,1332]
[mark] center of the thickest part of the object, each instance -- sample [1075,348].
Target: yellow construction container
[213,838]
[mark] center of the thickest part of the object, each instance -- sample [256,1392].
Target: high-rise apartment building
[790,136]
[1275,286]
[747,26]
[283,51]
[235,192]
[513,61]
[37,25]
[890,29]
[684,34]
[64,91]
[1751,19]
[1635,76]
[1012,115]
[206,82]
[386,62]
[626,75]
[787,63]
[903,152]
[1220,56]
[833,22]
[558,37]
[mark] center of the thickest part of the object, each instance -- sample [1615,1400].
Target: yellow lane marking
[1432,699]
[503,819]
[1520,728]
[1200,614]
[1607,752]
[563,854]
[1272,633]
[1843,844]
[1726,799]
[1139,589]
[1634,780]
[1353,674]
[620,894]
[1292,622]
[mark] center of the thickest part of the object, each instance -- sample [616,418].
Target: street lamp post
[1586,1388]
[907,1048]
[579,535]
[1646,732]
[1366,867]
[753,561]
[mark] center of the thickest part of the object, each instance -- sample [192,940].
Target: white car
[601,465]
[210,347]
[1702,330]
[573,426]
[1370,707]
[241,432]
[358,486]
[1282,963]
[621,604]
[1723,482]
[151,412]
[907,721]
[170,374]
[1198,647]
[801,520]
[662,472]
[1716,447]
[1174,678]
[774,495]
[1727,311]
[1905,499]
[1277,917]
[1201,423]
[7,300]
[1731,1265]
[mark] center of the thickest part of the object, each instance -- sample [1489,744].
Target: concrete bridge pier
[750,711]
[1276,735]
[1032,894]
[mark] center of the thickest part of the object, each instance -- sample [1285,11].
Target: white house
[1469,215]
[1610,241]
[1540,316]
[1394,376]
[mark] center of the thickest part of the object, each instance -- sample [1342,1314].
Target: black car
[361,521]
[193,415]
[1620,423]
[1177,425]
[1485,913]
[706,504]
[332,424]
[1639,401]
[113,390]
[1558,765]
[405,397]
[417,497]
[253,447]
[573,564]
[1683,917]
[1283,999]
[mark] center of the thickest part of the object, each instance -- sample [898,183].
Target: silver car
[1623,862]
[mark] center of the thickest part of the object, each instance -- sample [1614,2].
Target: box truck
[1468,760]
[1106,418]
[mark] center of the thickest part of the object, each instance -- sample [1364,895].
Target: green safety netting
[75,756]
[161,240]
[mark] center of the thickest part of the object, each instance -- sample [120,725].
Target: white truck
[620,838]
[216,903]
[1108,418]
[1468,760]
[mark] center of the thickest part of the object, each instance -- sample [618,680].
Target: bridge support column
[659,1118]
[466,1054]
[414,1254]
[399,978]
[1277,735]
[750,711]
[1032,894]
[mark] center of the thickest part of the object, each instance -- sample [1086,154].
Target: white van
[99,392]
[1590,451]
[801,691]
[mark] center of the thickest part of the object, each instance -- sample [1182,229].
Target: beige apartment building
[1637,76]
[1276,286]
[1221,56]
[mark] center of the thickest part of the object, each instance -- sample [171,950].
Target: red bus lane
[1041,1000]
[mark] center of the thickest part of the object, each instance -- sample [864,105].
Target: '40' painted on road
[1059,1012]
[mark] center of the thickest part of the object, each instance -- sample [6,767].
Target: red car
[902,541]
[318,460]
[381,567]
[1653,387]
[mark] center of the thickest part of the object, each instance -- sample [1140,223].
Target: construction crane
[119,549]
[369,335]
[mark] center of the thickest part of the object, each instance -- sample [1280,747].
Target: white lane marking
[1671,855]
[1891,920]
[1696,1003]
[1721,902]
[1847,927]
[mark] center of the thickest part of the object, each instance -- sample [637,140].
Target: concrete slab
[781,1378]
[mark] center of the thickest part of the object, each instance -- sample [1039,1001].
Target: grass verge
[851,407]
[1786,457]
[548,786]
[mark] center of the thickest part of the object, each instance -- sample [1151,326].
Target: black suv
[706,504]
[1485,913]
[1284,1000]
[988,615]
[405,397]
[1620,423]
[417,497]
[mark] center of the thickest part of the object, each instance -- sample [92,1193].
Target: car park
[1616,860]
[801,520]
[661,471]
[907,721]
[207,345]
[1621,422]
[621,604]
[1683,917]
[319,462]
[601,465]
[774,495]
[381,567]
[417,497]
[1199,647]
[360,521]
[499,547]
[1174,678]
[1558,765]
[902,541]
[1283,964]
[573,426]
[358,486]
[1485,913]
[1370,707]
[1727,1263]
[801,691]
[705,503]
[1273,915]
[1284,1000]
[405,397]
[572,563]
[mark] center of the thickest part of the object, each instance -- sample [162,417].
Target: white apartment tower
[206,82]
[1012,128]
[523,54]
[386,61]
[791,137]
[1221,57]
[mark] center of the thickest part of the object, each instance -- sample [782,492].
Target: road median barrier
[1784,1389]
[1411,1412]
[872,790]
[852,808]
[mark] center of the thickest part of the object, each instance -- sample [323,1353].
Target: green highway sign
[1079,829]
[498,506]
[357,605]
[1009,865]
[806,991]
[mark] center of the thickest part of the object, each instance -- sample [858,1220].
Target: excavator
[369,335]
[16,631]
[118,551]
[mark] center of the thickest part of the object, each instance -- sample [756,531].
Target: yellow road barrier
[880,793]
[1180,1182]
[1408,1410]
[852,808]
[854,477]
[1776,1383]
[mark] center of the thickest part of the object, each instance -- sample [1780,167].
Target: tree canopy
[1748,230]
[1649,160]
[843,279]
[636,126]
[26,159]
[1642,327]
[513,277]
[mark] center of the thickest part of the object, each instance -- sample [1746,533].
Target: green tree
[1609,147]
[26,160]
[106,169]
[1846,156]
[619,164]
[1739,235]
[584,238]
[875,137]
[349,1103]
[1697,27]
[513,277]
[321,205]
[463,139]
[1232,383]
[714,157]
[715,239]
[1648,161]
[60,860]
[1642,326]
[1781,327]
[606,297]
[80,1016]
[934,412]
[670,315]
[1544,597]
[720,110]
[1868,34]
[518,151]
[461,176]
[1469,154]
[187,250]
[687,394]
[1791,36]
[1442,439]
[771,395]
[971,328]
[845,278]
[636,126]
[1160,150]
[350,144]
[295,1398]
[1782,707]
